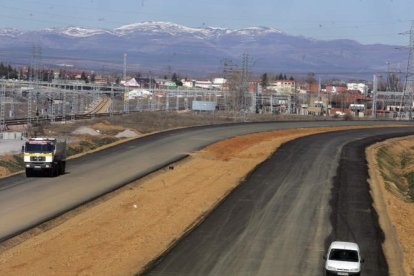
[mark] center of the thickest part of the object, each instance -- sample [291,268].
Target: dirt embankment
[391,172]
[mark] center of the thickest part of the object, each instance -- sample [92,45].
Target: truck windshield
[36,148]
[343,255]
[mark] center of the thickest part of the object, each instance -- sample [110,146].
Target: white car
[343,258]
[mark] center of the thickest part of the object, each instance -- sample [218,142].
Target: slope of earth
[122,232]
[391,168]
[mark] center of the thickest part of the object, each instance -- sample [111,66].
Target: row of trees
[8,72]
[266,78]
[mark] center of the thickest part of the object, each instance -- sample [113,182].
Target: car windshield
[343,255]
[36,148]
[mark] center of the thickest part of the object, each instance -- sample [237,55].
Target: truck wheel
[62,167]
[56,170]
[52,171]
[29,172]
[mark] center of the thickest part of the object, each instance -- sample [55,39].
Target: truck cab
[44,155]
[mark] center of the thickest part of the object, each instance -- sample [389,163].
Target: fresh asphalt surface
[247,238]
[281,220]
[26,202]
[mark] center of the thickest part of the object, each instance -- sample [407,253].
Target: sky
[366,21]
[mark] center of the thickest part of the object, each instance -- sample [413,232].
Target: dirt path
[120,233]
[397,220]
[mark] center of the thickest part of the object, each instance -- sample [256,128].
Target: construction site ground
[120,233]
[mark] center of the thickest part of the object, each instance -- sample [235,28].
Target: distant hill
[162,47]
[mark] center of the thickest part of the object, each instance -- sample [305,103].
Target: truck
[44,156]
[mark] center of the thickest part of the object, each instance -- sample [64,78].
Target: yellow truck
[44,156]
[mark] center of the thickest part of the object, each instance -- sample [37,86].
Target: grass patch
[406,159]
[384,155]
[13,165]
[410,181]
[85,146]
[392,171]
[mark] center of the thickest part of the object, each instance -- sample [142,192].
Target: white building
[362,87]
[218,83]
[282,86]
[188,83]
[205,84]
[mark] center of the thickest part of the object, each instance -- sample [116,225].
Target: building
[204,84]
[188,83]
[336,89]
[131,83]
[361,87]
[282,86]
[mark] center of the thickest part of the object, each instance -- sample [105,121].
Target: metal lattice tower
[29,107]
[111,107]
[74,105]
[3,108]
[126,99]
[244,82]
[51,107]
[64,105]
[406,104]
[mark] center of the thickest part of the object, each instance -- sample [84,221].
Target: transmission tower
[406,103]
[34,77]
[229,74]
[244,83]
[125,66]
[3,108]
[126,99]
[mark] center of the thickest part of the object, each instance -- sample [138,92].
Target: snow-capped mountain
[162,28]
[82,32]
[10,32]
[161,45]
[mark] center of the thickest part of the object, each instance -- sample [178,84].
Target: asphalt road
[281,220]
[26,202]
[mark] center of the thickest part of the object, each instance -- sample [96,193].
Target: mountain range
[169,47]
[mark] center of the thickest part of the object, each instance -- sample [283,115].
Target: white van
[343,258]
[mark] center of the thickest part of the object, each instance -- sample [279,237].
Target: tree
[310,78]
[84,77]
[264,81]
[8,72]
[62,74]
[175,78]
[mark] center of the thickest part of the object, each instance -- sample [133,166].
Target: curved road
[26,202]
[282,218]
